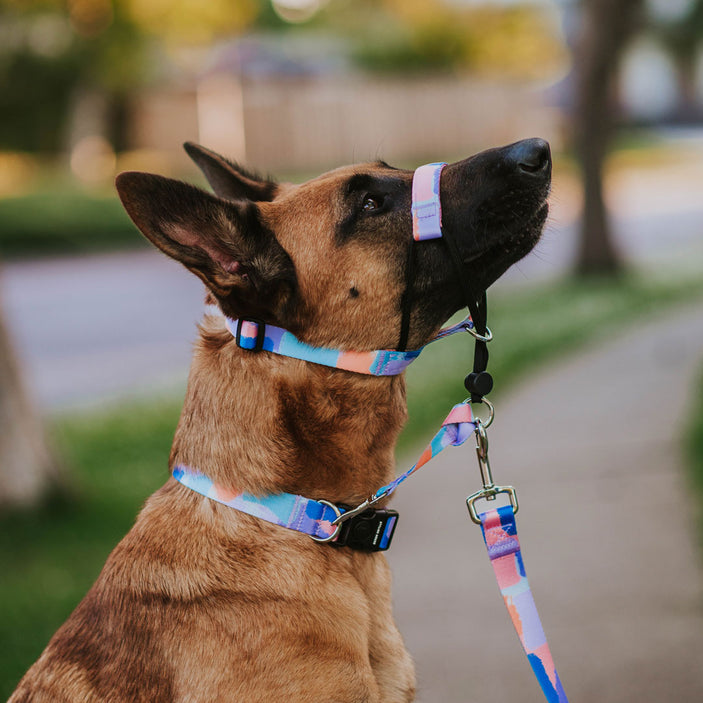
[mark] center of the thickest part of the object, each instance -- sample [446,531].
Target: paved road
[606,525]
[94,328]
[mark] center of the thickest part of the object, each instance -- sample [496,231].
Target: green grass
[119,456]
[694,446]
[78,223]
[50,558]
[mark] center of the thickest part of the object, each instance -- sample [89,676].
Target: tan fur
[196,587]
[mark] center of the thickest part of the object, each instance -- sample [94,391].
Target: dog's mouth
[496,207]
[504,246]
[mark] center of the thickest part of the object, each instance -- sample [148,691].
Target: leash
[368,528]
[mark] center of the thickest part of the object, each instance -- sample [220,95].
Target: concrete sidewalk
[606,524]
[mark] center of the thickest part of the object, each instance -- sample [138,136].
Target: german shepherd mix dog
[200,602]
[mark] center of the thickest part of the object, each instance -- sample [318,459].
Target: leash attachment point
[370,531]
[485,424]
[336,524]
[471,329]
[490,494]
[364,527]
[489,491]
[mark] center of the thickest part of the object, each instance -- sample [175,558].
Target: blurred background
[95,328]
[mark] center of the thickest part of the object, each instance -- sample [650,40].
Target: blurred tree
[28,471]
[605,27]
[681,35]
[60,57]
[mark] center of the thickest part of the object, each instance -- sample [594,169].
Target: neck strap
[320,519]
[255,336]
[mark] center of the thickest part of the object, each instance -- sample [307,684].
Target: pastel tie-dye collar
[255,335]
[317,518]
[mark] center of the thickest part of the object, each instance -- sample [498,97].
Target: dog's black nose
[531,155]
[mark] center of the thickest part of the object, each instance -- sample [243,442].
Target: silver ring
[338,525]
[491,413]
[480,337]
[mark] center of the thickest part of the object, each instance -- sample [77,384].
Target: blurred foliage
[63,222]
[50,50]
[682,34]
[681,37]
[412,35]
[694,437]
[192,21]
[119,456]
[35,89]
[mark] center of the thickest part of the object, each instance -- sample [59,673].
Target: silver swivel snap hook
[489,490]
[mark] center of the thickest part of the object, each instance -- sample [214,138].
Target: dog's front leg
[391,662]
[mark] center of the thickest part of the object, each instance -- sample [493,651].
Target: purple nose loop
[426,207]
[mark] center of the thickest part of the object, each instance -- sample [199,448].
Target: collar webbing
[255,335]
[285,509]
[317,518]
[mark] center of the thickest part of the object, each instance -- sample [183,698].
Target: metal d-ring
[336,522]
[491,411]
[479,337]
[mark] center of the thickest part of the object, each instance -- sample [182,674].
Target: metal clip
[489,490]
[479,337]
[342,517]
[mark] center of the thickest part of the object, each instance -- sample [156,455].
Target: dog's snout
[531,156]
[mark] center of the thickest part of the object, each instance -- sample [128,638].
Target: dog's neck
[262,423]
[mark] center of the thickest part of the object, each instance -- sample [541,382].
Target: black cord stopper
[479,383]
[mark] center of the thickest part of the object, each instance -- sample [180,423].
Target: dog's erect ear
[224,243]
[229,180]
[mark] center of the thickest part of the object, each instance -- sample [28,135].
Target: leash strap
[318,518]
[456,429]
[255,335]
[500,535]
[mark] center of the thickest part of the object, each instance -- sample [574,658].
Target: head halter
[427,224]
[426,212]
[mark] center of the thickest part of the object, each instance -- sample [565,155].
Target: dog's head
[326,259]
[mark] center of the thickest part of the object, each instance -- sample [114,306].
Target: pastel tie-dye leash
[325,522]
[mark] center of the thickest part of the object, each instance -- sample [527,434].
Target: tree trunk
[605,28]
[28,470]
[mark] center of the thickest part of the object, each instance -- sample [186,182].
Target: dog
[201,602]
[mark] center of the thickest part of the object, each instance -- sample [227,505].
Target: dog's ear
[229,180]
[224,243]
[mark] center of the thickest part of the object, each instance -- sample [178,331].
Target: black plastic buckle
[260,333]
[370,531]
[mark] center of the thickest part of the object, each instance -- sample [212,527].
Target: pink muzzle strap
[426,207]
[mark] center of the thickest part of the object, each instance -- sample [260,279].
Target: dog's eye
[372,202]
